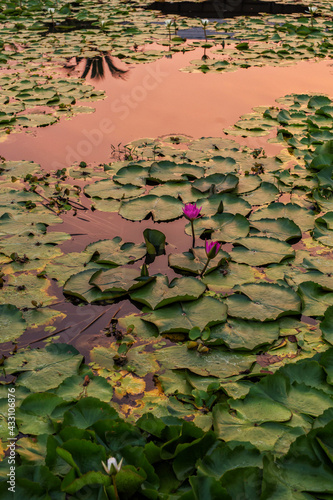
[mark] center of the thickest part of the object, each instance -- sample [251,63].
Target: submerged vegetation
[212,377]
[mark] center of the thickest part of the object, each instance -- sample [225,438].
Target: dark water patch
[70,24]
[219,9]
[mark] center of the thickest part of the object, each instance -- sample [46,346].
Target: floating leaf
[159,292]
[260,251]
[12,323]
[263,301]
[115,252]
[162,208]
[194,260]
[182,317]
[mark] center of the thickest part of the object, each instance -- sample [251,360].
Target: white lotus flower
[169,23]
[312,9]
[102,22]
[51,10]
[204,22]
[112,466]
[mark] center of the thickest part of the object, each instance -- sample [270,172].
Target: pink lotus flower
[191,211]
[212,249]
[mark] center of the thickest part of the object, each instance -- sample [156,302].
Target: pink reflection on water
[158,99]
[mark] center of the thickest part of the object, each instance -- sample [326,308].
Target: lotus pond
[166,234]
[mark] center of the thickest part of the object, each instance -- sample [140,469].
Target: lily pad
[225,227]
[218,362]
[164,171]
[181,317]
[162,208]
[159,292]
[323,230]
[194,260]
[263,301]
[119,280]
[12,323]
[282,229]
[244,334]
[260,251]
[43,369]
[217,183]
[115,252]
[107,188]
[301,216]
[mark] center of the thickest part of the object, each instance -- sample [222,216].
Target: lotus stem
[193,234]
[115,486]
[204,269]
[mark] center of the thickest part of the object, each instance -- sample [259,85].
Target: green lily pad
[326,325]
[108,189]
[224,279]
[165,171]
[194,260]
[43,369]
[266,193]
[315,299]
[12,323]
[301,216]
[78,285]
[244,334]
[323,230]
[162,208]
[181,317]
[219,183]
[225,227]
[217,363]
[159,292]
[119,280]
[133,174]
[263,301]
[260,251]
[282,229]
[115,252]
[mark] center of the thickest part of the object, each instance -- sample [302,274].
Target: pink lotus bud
[191,211]
[212,249]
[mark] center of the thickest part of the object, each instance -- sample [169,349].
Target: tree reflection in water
[95,66]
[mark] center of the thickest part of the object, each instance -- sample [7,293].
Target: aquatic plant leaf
[281,228]
[107,188]
[222,280]
[223,227]
[12,323]
[260,251]
[326,325]
[315,299]
[218,183]
[218,362]
[78,285]
[119,280]
[133,174]
[301,216]
[164,171]
[181,317]
[162,208]
[155,241]
[194,260]
[44,369]
[263,301]
[115,252]
[244,334]
[323,230]
[160,292]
